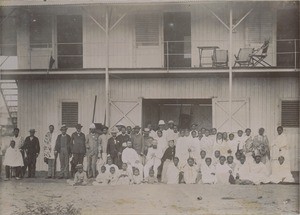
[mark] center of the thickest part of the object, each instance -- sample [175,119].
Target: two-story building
[142,61]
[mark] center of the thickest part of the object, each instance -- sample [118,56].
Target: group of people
[125,155]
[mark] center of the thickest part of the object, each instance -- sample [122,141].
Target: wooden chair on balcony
[220,58]
[244,57]
[259,55]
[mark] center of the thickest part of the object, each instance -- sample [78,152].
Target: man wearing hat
[93,150]
[123,138]
[114,148]
[137,140]
[162,126]
[32,149]
[78,148]
[63,148]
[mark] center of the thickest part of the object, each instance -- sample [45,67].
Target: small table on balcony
[202,48]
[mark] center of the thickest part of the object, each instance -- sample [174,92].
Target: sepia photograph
[149,107]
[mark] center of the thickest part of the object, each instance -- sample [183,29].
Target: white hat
[171,121]
[161,122]
[92,126]
[120,124]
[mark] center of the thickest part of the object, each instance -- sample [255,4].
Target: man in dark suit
[63,148]
[32,149]
[78,148]
[114,148]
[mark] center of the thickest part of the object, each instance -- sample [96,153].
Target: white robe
[101,178]
[280,148]
[190,174]
[182,151]
[208,174]
[222,146]
[243,170]
[130,156]
[259,173]
[222,173]
[207,145]
[162,143]
[172,174]
[13,157]
[280,173]
[232,145]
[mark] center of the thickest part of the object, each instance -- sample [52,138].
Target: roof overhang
[111,2]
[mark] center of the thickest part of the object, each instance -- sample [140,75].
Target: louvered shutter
[147,29]
[70,113]
[290,113]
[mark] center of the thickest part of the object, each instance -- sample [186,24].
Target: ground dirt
[17,196]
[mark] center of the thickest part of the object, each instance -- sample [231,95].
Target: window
[40,31]
[147,29]
[69,113]
[290,113]
[8,36]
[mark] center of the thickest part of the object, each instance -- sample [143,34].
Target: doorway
[177,39]
[184,112]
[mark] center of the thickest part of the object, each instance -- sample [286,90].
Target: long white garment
[182,151]
[208,174]
[243,170]
[280,147]
[153,159]
[162,143]
[130,156]
[19,141]
[281,173]
[232,145]
[13,157]
[207,145]
[171,135]
[222,173]
[49,145]
[190,174]
[258,173]
[172,174]
[194,145]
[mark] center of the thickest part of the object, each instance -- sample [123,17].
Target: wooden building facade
[153,65]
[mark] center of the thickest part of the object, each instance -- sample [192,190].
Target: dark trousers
[0,165]
[23,168]
[31,159]
[77,159]
[17,171]
[64,163]
[117,161]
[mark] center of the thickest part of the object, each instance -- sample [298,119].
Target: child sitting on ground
[13,159]
[80,178]
[101,178]
[125,176]
[216,158]
[173,172]
[137,178]
[112,177]
[190,172]
[230,162]
[280,172]
[151,179]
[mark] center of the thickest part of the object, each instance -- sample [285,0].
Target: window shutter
[290,113]
[147,29]
[70,113]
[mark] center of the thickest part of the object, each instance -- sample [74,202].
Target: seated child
[125,176]
[137,178]
[190,172]
[230,162]
[216,157]
[208,172]
[222,171]
[259,172]
[202,159]
[112,177]
[80,178]
[109,164]
[280,172]
[101,178]
[151,179]
[167,159]
[173,172]
[13,159]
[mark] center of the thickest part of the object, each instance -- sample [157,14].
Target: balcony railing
[167,55]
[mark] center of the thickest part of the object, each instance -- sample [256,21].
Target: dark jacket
[78,143]
[58,144]
[31,146]
[169,154]
[123,139]
[113,147]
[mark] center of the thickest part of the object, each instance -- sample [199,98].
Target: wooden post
[107,112]
[230,69]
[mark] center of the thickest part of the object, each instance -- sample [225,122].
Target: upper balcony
[150,41]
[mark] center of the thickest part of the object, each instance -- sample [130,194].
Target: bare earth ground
[149,199]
